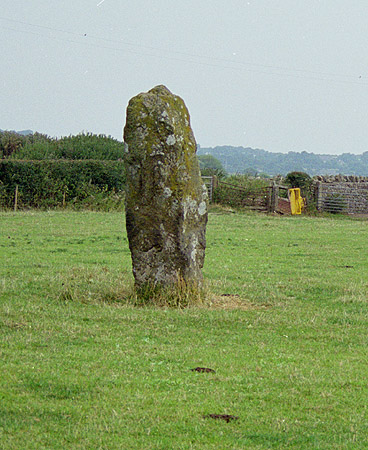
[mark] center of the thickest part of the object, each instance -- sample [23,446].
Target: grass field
[81,369]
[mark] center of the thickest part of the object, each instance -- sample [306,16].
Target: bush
[300,180]
[39,147]
[90,146]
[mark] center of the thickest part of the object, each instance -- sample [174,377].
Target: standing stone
[166,201]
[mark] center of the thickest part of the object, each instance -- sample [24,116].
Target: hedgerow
[52,183]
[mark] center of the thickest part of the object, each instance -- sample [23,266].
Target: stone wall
[340,179]
[342,194]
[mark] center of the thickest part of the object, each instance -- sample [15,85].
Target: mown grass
[82,369]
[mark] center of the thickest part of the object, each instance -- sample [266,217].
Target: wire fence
[252,196]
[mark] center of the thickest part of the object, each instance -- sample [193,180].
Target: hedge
[51,183]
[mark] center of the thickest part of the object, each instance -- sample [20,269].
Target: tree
[210,165]
[9,143]
[299,180]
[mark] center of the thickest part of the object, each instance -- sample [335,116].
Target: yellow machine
[296,201]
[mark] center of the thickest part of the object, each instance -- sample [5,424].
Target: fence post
[214,182]
[16,198]
[319,195]
[274,197]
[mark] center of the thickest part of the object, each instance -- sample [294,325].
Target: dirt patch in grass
[230,301]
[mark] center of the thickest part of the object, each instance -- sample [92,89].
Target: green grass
[81,369]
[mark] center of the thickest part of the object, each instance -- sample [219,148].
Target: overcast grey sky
[282,75]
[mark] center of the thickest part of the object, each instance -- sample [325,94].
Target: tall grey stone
[166,201]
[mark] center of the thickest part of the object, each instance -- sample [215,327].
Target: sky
[281,75]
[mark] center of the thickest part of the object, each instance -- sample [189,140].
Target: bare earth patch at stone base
[230,302]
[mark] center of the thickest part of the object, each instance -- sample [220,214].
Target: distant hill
[249,160]
[25,132]
[22,132]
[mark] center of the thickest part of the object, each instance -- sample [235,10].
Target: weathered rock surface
[166,201]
